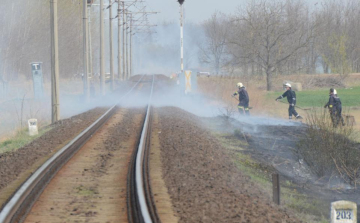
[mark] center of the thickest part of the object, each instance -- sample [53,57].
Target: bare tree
[270,33]
[339,45]
[213,48]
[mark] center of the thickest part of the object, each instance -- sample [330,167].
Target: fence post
[276,188]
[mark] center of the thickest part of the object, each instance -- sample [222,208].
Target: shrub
[328,150]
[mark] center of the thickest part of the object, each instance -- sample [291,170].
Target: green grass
[318,98]
[19,140]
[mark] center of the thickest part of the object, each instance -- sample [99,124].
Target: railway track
[100,174]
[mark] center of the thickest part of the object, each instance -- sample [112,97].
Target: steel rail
[144,210]
[141,208]
[146,175]
[21,202]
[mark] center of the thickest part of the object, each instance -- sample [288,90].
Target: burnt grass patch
[288,150]
[331,152]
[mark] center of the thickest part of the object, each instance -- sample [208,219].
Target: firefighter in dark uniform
[335,108]
[291,97]
[243,105]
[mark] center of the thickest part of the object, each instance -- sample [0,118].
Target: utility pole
[123,40]
[130,65]
[111,48]
[85,51]
[127,48]
[90,48]
[55,111]
[102,49]
[119,40]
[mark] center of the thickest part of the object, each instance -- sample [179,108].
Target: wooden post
[276,188]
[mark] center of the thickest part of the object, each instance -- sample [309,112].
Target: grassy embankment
[20,139]
[18,105]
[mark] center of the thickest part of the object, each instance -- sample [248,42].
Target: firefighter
[291,97]
[335,108]
[243,105]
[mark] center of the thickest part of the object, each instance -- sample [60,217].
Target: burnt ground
[274,146]
[203,181]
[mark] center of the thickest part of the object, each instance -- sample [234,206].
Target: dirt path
[203,182]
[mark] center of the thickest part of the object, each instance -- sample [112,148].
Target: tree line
[284,37]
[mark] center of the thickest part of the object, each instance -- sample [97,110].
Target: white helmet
[288,85]
[335,92]
[239,85]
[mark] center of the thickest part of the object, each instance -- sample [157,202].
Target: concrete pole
[119,40]
[111,48]
[55,111]
[90,48]
[130,65]
[181,38]
[123,40]
[102,49]
[85,52]
[127,48]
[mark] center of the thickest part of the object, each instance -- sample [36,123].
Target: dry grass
[330,150]
[17,104]
[221,89]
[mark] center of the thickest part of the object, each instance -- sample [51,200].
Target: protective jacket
[335,109]
[243,96]
[334,103]
[291,96]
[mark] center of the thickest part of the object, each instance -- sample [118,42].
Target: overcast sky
[195,10]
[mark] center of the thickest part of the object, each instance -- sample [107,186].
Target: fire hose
[239,101]
[305,109]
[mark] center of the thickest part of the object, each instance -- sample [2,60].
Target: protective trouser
[292,111]
[336,116]
[243,108]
